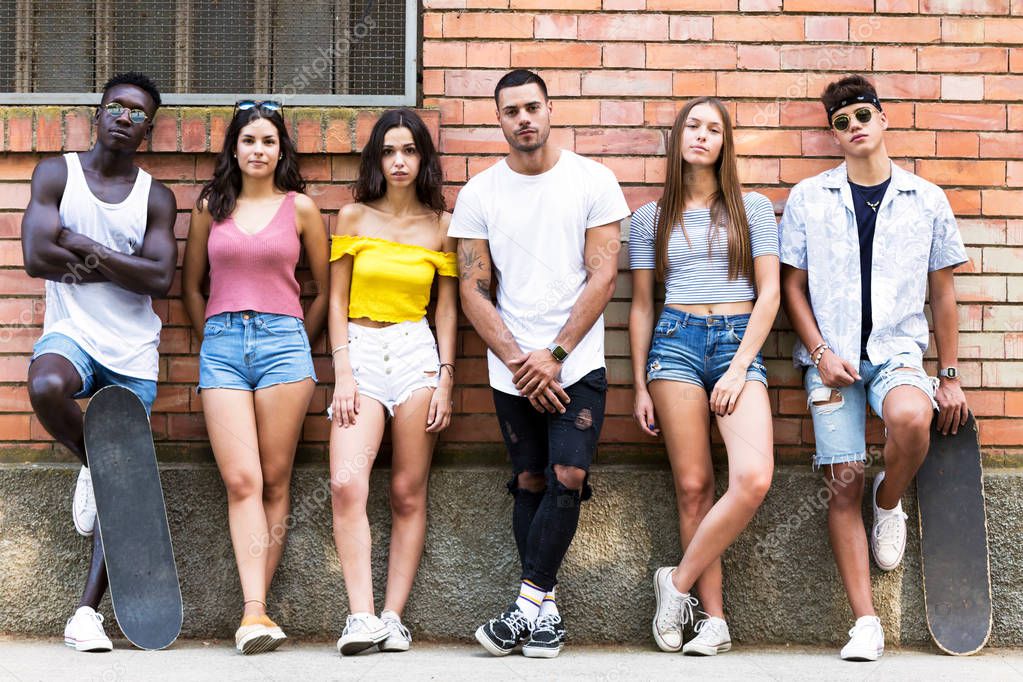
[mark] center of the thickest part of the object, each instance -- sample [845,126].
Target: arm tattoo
[483,288]
[470,260]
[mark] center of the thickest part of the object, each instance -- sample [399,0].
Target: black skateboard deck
[132,519]
[953,541]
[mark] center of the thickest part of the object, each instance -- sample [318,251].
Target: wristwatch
[558,352]
[949,373]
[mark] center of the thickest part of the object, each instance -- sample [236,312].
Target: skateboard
[132,519]
[953,541]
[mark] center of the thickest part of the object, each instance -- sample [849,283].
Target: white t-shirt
[536,226]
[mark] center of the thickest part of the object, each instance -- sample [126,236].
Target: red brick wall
[950,71]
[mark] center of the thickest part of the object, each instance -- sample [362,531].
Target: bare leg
[352,453]
[907,418]
[685,422]
[52,384]
[749,441]
[280,411]
[847,534]
[410,473]
[231,423]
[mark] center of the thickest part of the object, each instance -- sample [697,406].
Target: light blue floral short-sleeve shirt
[915,234]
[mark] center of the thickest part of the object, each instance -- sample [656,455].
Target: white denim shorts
[390,363]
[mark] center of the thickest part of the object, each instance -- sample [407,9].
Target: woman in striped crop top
[716,250]
[248,231]
[389,249]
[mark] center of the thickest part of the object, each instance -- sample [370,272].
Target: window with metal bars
[315,52]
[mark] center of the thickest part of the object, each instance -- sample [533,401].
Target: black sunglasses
[116,110]
[268,107]
[841,122]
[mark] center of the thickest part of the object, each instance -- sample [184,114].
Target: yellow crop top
[390,281]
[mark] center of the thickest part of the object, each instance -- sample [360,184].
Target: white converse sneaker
[84,631]
[712,638]
[362,631]
[674,611]
[398,636]
[83,508]
[866,640]
[888,536]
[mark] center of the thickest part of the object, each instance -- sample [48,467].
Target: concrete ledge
[780,580]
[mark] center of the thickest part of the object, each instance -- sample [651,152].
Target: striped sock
[530,598]
[549,605]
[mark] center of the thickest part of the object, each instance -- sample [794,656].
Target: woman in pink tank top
[256,375]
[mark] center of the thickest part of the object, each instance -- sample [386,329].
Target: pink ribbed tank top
[255,271]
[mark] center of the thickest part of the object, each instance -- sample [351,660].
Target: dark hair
[848,88]
[139,80]
[514,79]
[371,184]
[221,191]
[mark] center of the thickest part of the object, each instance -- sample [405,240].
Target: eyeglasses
[116,110]
[841,122]
[268,107]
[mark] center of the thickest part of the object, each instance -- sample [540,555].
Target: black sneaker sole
[488,644]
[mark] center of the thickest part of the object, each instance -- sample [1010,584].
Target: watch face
[951,372]
[559,353]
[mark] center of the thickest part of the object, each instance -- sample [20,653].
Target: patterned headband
[869,98]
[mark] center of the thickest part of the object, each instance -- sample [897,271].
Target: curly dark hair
[371,184]
[847,88]
[139,80]
[220,193]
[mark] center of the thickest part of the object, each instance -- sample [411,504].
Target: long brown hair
[727,208]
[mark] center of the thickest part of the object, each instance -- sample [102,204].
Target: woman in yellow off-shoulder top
[388,249]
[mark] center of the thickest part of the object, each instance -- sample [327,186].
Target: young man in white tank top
[100,231]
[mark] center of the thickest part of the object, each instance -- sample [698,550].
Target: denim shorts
[391,363]
[250,351]
[698,350]
[536,441]
[839,427]
[94,375]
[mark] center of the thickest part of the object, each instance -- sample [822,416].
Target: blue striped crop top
[693,275]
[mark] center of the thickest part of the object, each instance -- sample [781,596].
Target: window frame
[408,98]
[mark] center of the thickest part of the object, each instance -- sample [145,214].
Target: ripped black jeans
[544,523]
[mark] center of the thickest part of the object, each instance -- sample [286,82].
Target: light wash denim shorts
[250,350]
[94,375]
[698,350]
[839,427]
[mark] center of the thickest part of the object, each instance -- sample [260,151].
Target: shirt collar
[838,177]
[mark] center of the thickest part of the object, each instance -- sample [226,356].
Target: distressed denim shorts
[839,427]
[250,350]
[698,350]
[393,362]
[94,375]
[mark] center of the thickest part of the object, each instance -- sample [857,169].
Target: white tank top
[117,327]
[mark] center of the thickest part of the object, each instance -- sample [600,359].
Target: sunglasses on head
[841,122]
[268,107]
[116,110]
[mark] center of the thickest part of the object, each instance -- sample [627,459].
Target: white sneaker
[362,631]
[83,508]
[674,611]
[398,636]
[866,640]
[84,631]
[712,638]
[888,536]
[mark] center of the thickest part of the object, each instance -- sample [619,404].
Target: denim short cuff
[820,461]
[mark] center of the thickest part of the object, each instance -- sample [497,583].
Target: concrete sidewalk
[35,659]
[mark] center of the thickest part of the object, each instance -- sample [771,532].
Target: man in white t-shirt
[545,221]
